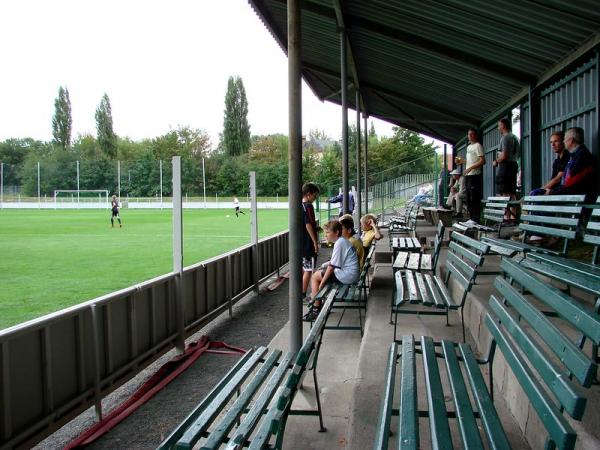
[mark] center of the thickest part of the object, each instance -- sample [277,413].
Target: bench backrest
[531,342]
[552,215]
[495,208]
[465,255]
[592,232]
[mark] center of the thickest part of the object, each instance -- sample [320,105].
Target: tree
[107,140]
[236,131]
[62,121]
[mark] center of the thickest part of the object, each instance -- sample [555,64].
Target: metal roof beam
[424,45]
[472,121]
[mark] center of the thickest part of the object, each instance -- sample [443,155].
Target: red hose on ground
[167,373]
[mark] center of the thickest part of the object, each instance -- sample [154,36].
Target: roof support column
[365,168]
[295,172]
[344,88]
[358,137]
[531,164]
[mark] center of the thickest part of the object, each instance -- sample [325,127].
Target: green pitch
[53,259]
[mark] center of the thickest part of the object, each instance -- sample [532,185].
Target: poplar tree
[107,139]
[236,130]
[62,121]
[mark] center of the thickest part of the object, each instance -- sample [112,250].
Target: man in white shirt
[457,192]
[342,268]
[474,176]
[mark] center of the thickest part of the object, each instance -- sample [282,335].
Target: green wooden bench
[404,226]
[349,296]
[586,270]
[250,405]
[493,217]
[416,259]
[465,255]
[555,216]
[550,368]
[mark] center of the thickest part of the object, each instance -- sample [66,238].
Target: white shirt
[474,151]
[345,261]
[236,203]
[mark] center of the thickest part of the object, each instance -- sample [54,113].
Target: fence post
[254,231]
[178,254]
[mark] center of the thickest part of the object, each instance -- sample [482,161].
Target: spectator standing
[579,176]
[506,164]
[473,175]
[558,166]
[340,199]
[310,241]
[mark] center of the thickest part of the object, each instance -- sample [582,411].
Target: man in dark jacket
[579,175]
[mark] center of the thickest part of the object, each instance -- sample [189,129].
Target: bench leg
[322,429]
[462,320]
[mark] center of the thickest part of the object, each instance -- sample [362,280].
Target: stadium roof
[437,66]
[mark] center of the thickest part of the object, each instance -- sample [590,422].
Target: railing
[394,193]
[54,367]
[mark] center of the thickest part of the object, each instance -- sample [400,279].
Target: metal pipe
[366,165]
[119,180]
[445,190]
[78,184]
[254,231]
[178,254]
[358,196]
[39,200]
[295,172]
[204,182]
[1,185]
[161,190]
[344,85]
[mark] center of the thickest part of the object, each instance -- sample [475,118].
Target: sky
[163,64]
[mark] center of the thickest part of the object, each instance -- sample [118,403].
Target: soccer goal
[95,198]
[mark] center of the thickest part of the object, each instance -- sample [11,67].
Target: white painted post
[254,230]
[119,180]
[161,193]
[1,185]
[178,253]
[77,184]
[39,200]
[204,182]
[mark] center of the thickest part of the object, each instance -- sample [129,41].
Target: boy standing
[310,241]
[342,268]
[114,204]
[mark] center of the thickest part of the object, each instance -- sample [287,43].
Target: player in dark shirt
[310,244]
[115,212]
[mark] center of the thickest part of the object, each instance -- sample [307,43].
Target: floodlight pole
[178,254]
[204,182]
[77,184]
[254,230]
[358,198]
[1,185]
[366,165]
[295,172]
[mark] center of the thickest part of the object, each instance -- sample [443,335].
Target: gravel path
[256,320]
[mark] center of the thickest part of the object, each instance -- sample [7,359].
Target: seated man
[370,231]
[458,193]
[348,232]
[343,266]
[559,165]
[579,175]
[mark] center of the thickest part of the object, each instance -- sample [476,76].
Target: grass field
[53,259]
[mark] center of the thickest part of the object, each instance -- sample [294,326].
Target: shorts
[332,277]
[309,263]
[115,213]
[506,177]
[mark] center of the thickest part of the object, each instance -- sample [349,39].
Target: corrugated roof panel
[436,66]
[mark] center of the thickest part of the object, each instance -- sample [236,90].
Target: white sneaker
[535,238]
[470,222]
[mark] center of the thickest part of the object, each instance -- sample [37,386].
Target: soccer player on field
[236,206]
[115,212]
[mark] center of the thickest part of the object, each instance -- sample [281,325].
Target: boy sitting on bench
[342,268]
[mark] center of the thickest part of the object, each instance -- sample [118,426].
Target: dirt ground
[255,321]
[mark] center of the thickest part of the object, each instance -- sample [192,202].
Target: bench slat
[447,297]
[409,414]
[568,263]
[422,289]
[438,418]
[470,242]
[272,421]
[519,246]
[413,261]
[399,294]
[385,416]
[464,412]
[416,243]
[554,220]
[437,299]
[492,426]
[413,296]
[559,429]
[571,356]
[251,419]
[426,262]
[556,378]
[211,411]
[555,198]
[218,434]
[552,209]
[457,274]
[400,261]
[466,253]
[466,269]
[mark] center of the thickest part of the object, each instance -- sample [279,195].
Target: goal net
[84,198]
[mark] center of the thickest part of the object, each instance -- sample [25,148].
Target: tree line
[226,166]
